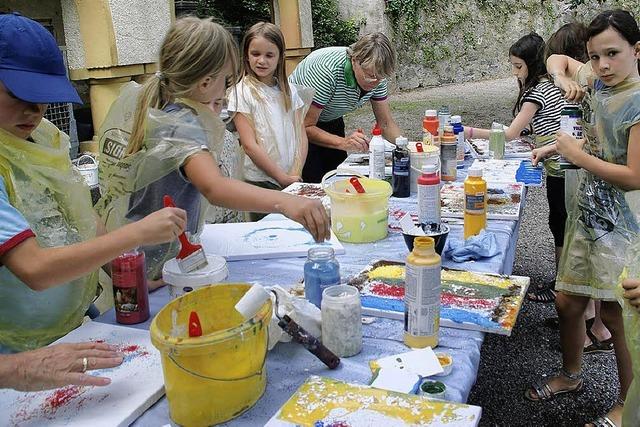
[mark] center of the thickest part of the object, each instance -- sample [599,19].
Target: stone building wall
[454,41]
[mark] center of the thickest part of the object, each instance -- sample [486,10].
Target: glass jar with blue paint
[321,270]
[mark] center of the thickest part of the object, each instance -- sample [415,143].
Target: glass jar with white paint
[342,320]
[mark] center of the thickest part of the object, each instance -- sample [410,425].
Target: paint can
[219,375]
[180,283]
[429,156]
[87,165]
[433,390]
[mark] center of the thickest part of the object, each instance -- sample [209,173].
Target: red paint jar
[130,292]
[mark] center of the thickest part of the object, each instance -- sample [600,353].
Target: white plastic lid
[215,271]
[496,126]
[401,141]
[431,113]
[429,168]
[456,119]
[475,171]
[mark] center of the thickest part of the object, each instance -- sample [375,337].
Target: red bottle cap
[376,130]
[419,148]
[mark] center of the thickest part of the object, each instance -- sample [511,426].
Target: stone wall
[454,41]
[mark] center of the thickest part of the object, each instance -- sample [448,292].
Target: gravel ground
[508,365]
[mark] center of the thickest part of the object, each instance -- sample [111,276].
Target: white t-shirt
[264,107]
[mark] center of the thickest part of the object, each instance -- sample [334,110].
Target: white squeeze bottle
[429,196]
[422,295]
[376,154]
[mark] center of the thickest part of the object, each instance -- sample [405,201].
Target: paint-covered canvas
[261,240]
[310,190]
[519,148]
[135,386]
[503,200]
[476,301]
[510,171]
[325,402]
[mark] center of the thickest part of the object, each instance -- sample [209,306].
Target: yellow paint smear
[387,272]
[318,396]
[468,277]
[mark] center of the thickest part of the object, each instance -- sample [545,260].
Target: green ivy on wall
[328,28]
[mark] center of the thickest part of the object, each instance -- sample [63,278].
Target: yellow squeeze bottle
[475,203]
[422,295]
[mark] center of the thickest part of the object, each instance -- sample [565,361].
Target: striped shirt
[547,96]
[330,73]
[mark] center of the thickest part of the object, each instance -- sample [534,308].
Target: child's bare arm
[42,268]
[256,153]
[632,292]
[562,69]
[230,193]
[624,176]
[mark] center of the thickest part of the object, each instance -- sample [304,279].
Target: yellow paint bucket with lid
[358,217]
[217,376]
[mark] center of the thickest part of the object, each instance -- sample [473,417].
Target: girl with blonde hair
[269,112]
[174,141]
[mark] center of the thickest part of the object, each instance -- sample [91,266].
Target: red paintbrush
[191,256]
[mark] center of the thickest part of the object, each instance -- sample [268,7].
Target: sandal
[544,392]
[603,421]
[543,293]
[596,346]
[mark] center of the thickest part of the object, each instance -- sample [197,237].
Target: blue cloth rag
[482,245]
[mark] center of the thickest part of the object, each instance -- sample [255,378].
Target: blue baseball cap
[31,64]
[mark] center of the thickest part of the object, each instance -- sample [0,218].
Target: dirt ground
[508,365]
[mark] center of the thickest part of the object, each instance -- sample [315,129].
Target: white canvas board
[503,200]
[504,171]
[309,190]
[422,362]
[261,240]
[135,385]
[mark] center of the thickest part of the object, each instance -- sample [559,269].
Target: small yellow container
[219,375]
[359,217]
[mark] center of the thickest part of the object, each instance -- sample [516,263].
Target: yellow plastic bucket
[215,377]
[358,217]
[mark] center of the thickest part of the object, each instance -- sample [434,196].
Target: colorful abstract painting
[503,200]
[310,190]
[135,386]
[510,171]
[519,148]
[474,301]
[261,240]
[325,402]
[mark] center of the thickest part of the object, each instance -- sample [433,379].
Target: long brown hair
[193,48]
[273,35]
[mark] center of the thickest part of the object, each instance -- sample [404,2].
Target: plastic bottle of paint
[497,141]
[376,154]
[321,270]
[458,131]
[130,292]
[475,203]
[429,196]
[448,149]
[401,168]
[444,118]
[570,123]
[429,126]
[422,295]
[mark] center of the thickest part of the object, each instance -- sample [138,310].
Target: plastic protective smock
[170,138]
[631,318]
[277,131]
[56,203]
[600,225]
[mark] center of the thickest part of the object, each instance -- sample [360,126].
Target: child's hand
[541,153]
[632,292]
[308,212]
[572,90]
[568,146]
[288,180]
[357,142]
[161,226]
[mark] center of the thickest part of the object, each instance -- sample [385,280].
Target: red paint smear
[385,290]
[61,397]
[130,348]
[99,341]
[463,302]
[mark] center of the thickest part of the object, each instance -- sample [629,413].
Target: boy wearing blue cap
[48,229]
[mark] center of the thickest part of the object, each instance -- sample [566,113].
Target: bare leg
[611,313]
[599,329]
